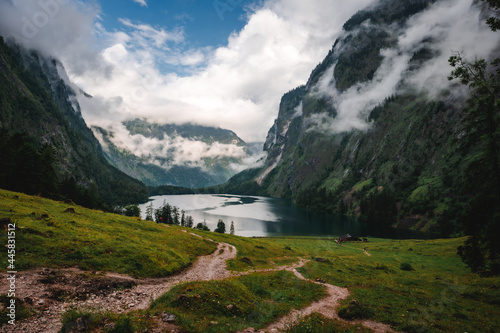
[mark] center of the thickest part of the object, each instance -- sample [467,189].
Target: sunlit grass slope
[50,235]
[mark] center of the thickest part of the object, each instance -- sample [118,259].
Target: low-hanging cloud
[450,25]
[236,86]
[167,151]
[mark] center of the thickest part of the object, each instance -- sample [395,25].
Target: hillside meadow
[412,285]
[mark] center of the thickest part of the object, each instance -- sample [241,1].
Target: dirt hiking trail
[45,288]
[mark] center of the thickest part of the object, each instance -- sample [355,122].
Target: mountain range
[376,132]
[186,155]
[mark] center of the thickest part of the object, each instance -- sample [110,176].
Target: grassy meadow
[47,235]
[413,285]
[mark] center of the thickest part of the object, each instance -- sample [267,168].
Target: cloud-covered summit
[237,85]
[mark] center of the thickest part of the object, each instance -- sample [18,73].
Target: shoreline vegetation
[411,285]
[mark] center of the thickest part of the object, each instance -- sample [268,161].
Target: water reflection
[260,216]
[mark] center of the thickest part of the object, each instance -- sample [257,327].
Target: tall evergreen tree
[149,212]
[480,143]
[221,227]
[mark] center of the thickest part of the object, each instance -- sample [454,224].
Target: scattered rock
[229,307]
[70,210]
[167,317]
[353,302]
[249,330]
[214,323]
[320,259]
[320,280]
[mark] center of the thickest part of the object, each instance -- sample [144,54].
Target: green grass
[316,323]
[439,294]
[94,240]
[237,303]
[262,254]
[412,285]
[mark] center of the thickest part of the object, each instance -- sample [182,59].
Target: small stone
[229,307]
[213,323]
[168,317]
[249,330]
[353,302]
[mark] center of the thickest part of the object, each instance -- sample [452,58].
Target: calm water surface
[260,216]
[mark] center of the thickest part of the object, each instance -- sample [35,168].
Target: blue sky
[223,63]
[177,61]
[204,23]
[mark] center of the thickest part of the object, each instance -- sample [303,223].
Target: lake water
[260,216]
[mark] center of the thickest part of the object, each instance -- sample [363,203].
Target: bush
[406,267]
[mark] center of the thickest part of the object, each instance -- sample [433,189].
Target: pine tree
[175,215]
[183,218]
[221,227]
[231,229]
[190,221]
[480,143]
[149,212]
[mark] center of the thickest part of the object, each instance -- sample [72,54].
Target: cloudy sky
[221,63]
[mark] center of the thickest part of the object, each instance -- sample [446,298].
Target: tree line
[173,215]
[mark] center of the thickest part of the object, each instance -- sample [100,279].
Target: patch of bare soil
[52,292]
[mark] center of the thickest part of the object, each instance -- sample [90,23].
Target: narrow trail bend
[206,268]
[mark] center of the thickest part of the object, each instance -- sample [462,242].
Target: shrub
[406,267]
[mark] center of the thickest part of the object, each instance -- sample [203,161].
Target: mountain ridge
[55,153]
[185,155]
[386,160]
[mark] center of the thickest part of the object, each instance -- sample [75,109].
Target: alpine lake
[255,216]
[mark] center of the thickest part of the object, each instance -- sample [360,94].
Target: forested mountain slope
[378,132]
[46,145]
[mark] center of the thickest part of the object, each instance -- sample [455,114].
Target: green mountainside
[170,162]
[47,147]
[406,169]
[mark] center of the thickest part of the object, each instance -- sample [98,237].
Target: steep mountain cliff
[47,146]
[375,131]
[181,155]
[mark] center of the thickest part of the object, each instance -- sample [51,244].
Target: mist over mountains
[181,155]
[372,132]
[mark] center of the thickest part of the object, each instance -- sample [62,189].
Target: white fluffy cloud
[237,86]
[450,25]
[141,2]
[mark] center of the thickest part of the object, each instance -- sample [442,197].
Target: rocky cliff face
[373,133]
